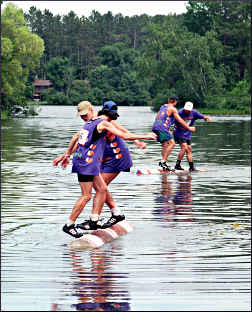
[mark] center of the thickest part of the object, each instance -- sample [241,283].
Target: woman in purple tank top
[89,144]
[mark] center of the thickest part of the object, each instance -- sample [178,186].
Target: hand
[192,129]
[208,118]
[57,160]
[151,136]
[140,144]
[65,162]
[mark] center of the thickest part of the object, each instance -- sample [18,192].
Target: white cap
[188,106]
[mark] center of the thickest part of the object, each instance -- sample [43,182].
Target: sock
[116,211]
[94,217]
[70,222]
[191,165]
[178,162]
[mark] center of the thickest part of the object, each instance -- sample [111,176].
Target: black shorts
[181,140]
[85,178]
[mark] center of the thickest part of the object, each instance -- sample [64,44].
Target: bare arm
[138,143]
[206,118]
[64,158]
[108,126]
[181,121]
[72,143]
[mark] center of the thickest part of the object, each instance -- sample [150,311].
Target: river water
[190,248]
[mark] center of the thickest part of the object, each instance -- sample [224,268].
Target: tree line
[202,55]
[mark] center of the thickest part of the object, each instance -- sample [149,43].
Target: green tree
[78,92]
[239,98]
[61,74]
[231,20]
[21,51]
[116,77]
[176,59]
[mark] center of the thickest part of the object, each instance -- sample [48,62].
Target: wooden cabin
[39,86]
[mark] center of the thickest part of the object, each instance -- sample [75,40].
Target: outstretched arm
[207,118]
[138,143]
[108,126]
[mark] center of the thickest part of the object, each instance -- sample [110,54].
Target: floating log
[158,171]
[101,236]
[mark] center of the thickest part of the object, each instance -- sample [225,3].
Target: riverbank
[34,110]
[217,112]
[31,109]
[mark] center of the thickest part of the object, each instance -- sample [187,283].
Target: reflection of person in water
[97,288]
[176,206]
[183,198]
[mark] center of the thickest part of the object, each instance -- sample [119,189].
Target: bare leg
[86,190]
[100,195]
[108,177]
[189,154]
[167,147]
[183,150]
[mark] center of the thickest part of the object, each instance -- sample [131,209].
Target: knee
[104,189]
[172,143]
[184,149]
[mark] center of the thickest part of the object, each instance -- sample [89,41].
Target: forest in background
[203,55]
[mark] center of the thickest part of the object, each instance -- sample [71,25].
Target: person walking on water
[182,135]
[87,162]
[164,119]
[116,159]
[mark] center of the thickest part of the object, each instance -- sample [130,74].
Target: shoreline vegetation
[135,61]
[34,108]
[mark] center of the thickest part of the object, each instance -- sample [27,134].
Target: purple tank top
[163,122]
[116,156]
[88,154]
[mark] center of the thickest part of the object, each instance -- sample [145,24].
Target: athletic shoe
[164,166]
[113,220]
[90,225]
[72,230]
[192,169]
[178,167]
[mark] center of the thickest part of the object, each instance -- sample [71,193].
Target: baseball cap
[110,106]
[83,108]
[188,106]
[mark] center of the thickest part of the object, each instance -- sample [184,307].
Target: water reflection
[175,204]
[94,283]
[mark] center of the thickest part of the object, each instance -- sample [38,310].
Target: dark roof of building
[45,83]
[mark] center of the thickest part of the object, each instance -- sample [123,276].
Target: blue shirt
[179,130]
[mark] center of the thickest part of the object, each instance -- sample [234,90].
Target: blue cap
[110,106]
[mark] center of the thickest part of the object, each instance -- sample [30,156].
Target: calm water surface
[190,248]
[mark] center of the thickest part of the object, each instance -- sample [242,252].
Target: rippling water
[190,248]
